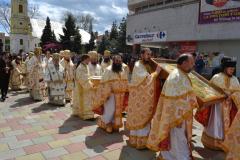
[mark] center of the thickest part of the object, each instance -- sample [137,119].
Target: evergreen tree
[103,45]
[54,37]
[122,45]
[71,30]
[91,42]
[114,31]
[47,35]
[77,45]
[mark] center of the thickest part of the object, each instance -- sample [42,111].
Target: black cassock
[4,78]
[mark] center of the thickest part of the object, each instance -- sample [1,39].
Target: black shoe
[2,99]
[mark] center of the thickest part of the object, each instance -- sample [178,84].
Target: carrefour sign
[150,37]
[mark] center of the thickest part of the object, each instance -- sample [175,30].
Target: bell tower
[20,27]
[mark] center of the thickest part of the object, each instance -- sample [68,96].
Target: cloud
[103,11]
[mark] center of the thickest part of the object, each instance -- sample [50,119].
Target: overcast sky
[104,11]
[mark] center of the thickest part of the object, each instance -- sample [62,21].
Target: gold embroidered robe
[111,84]
[83,93]
[143,98]
[228,111]
[36,78]
[175,105]
[231,144]
[69,78]
[16,77]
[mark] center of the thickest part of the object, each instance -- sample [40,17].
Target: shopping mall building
[186,26]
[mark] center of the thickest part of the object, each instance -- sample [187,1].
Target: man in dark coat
[4,76]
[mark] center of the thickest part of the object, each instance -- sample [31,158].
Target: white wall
[15,43]
[181,24]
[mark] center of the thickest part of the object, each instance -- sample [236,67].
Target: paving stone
[91,152]
[27,136]
[3,147]
[11,139]
[75,147]
[14,133]
[113,155]
[62,136]
[36,148]
[5,129]
[79,138]
[12,154]
[54,153]
[36,156]
[34,129]
[43,139]
[47,132]
[59,143]
[97,158]
[75,156]
[20,144]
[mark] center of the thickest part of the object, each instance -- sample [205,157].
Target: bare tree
[5,14]
[33,10]
[85,22]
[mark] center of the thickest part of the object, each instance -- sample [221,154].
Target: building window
[20,23]
[20,7]
[21,41]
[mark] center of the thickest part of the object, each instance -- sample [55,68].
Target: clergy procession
[157,110]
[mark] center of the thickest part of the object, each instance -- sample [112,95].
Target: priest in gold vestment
[109,97]
[217,118]
[37,84]
[171,129]
[94,68]
[55,81]
[16,74]
[143,98]
[28,68]
[106,60]
[83,91]
[231,144]
[68,66]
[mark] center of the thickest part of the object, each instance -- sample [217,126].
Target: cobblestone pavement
[35,131]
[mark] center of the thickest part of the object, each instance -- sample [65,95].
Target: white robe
[109,110]
[215,126]
[179,146]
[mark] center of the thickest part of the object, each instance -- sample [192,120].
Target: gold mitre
[30,54]
[56,56]
[93,54]
[38,51]
[107,53]
[67,53]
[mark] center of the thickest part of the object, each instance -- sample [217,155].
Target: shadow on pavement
[22,102]
[207,154]
[74,123]
[100,140]
[129,153]
[44,107]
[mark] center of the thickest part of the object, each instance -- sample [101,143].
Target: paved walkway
[37,131]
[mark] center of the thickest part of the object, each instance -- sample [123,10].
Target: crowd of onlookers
[209,64]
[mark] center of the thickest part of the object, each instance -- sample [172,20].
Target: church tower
[21,31]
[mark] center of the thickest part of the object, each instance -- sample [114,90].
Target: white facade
[179,19]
